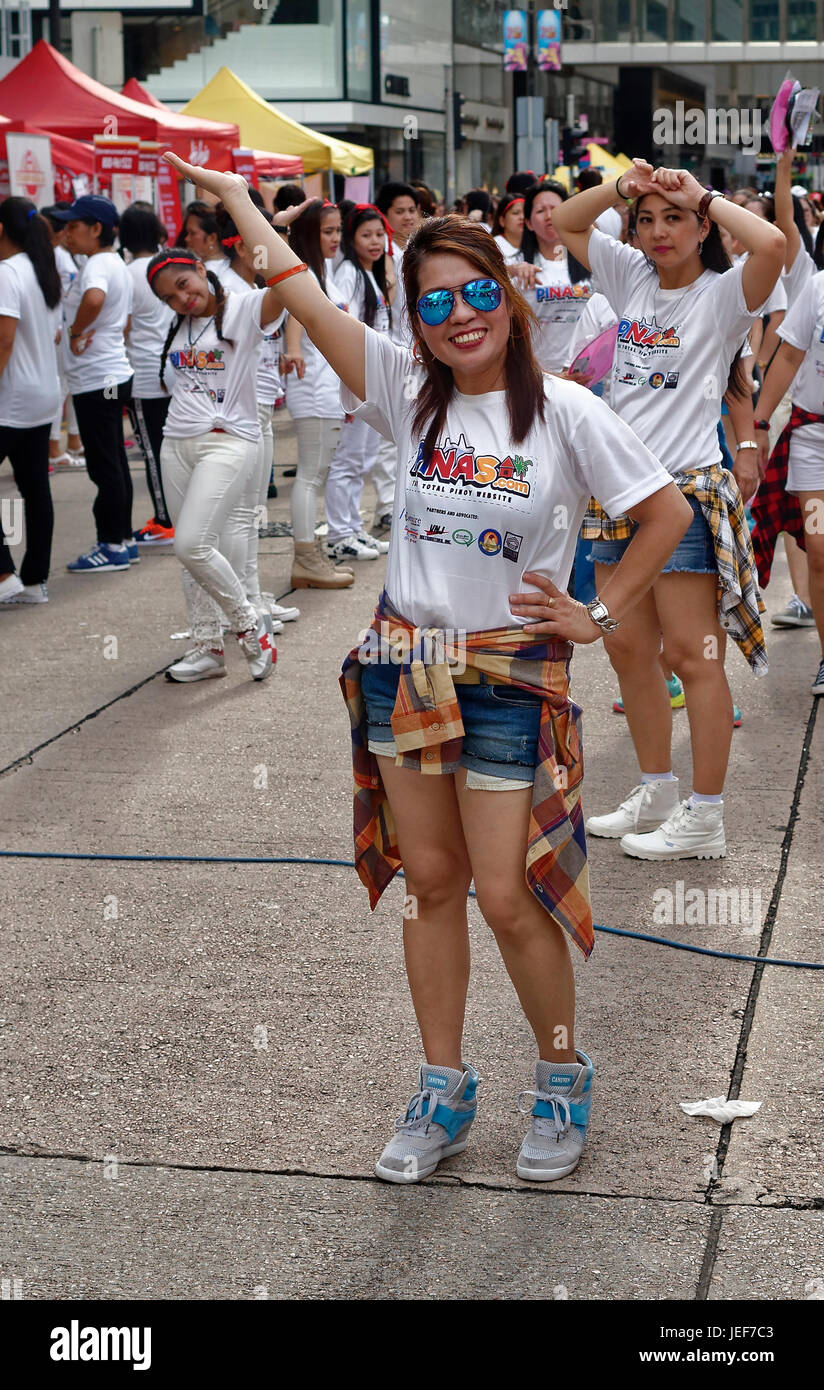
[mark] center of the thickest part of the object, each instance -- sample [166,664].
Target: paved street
[201,1062]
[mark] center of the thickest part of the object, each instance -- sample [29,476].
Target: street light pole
[54,24]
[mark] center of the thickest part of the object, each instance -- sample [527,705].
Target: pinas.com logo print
[647,337]
[457,467]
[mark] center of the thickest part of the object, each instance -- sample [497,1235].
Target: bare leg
[634,653]
[532,945]
[438,876]
[797,562]
[812,510]
[695,644]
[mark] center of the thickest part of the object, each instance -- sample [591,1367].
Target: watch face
[599,611]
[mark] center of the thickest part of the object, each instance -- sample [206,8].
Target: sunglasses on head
[435,307]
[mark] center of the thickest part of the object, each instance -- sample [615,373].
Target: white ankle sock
[704,799]
[657,777]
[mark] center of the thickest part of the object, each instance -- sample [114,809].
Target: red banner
[147,163]
[168,196]
[244,162]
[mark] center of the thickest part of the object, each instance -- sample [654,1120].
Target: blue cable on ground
[349,864]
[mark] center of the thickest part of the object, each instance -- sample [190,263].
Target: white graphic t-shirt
[317,394]
[211,379]
[151,320]
[804,328]
[350,284]
[29,388]
[482,510]
[674,350]
[511,254]
[798,276]
[558,305]
[104,361]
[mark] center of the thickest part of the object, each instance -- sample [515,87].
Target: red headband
[231,240]
[370,207]
[170,260]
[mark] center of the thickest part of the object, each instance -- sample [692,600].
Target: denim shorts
[694,554]
[501,724]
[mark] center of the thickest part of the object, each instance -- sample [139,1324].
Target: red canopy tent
[49,91]
[267,164]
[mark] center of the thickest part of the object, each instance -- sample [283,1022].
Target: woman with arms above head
[466,734]
[683,314]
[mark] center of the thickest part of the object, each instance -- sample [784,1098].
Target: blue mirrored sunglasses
[435,307]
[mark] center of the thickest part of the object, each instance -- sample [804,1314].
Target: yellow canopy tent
[610,165]
[262,127]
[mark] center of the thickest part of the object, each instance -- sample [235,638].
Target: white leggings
[205,479]
[384,476]
[354,457]
[71,418]
[317,442]
[253,504]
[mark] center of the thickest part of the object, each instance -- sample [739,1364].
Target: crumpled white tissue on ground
[720,1109]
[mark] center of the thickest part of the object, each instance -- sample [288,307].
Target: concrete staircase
[295,62]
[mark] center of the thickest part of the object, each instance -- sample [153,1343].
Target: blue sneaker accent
[99,559]
[436,1081]
[451,1120]
[132,552]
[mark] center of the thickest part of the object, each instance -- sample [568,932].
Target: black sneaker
[382,526]
[817,687]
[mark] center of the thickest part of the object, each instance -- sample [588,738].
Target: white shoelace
[560,1121]
[416,1117]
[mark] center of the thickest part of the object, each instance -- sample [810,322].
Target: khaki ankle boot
[312,570]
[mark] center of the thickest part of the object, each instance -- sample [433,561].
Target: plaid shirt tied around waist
[428,732]
[739,601]
[774,509]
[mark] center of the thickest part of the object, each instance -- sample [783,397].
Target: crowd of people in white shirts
[447,356]
[104,336]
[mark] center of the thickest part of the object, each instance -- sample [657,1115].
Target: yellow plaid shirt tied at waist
[739,599]
[428,733]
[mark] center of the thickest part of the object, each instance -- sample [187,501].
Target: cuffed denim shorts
[694,554]
[501,724]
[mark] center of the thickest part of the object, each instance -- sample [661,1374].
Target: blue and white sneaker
[132,552]
[100,559]
[435,1126]
[560,1114]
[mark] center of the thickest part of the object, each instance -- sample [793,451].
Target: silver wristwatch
[599,614]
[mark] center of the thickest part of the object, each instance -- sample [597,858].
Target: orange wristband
[284,274]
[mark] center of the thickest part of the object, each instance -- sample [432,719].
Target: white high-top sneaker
[644,809]
[691,832]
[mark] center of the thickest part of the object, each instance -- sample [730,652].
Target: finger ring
[550,603]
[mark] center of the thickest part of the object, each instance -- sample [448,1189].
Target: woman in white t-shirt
[562,288]
[313,402]
[498,462]
[240,275]
[681,325]
[141,232]
[366,278]
[798,367]
[69,271]
[99,374]
[30,295]
[210,446]
[508,226]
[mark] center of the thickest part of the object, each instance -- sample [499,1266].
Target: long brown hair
[455,236]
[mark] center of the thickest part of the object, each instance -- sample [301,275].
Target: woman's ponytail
[24,226]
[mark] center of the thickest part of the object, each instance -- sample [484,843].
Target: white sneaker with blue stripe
[560,1113]
[100,559]
[435,1126]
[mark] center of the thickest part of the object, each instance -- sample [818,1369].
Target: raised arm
[764,242]
[574,219]
[784,219]
[340,337]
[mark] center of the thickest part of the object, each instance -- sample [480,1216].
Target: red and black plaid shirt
[774,509]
